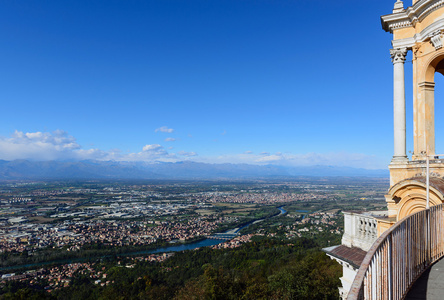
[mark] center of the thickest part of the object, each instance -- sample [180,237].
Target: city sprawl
[61,229]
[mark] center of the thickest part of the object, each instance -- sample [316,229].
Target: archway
[424,120]
[410,195]
[439,113]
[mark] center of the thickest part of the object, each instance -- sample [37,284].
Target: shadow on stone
[430,285]
[419,288]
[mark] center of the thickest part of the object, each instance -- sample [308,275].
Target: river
[202,243]
[176,248]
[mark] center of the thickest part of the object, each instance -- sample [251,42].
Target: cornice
[411,15]
[424,35]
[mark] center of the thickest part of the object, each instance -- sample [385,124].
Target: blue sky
[284,82]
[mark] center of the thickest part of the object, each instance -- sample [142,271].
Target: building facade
[416,182]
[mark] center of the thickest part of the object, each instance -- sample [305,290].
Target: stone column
[398,59]
[426,118]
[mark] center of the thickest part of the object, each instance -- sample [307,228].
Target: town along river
[206,242]
[214,240]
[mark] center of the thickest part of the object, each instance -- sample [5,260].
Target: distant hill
[44,170]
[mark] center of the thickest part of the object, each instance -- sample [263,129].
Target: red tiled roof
[352,255]
[437,183]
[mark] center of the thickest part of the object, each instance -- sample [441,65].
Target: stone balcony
[360,232]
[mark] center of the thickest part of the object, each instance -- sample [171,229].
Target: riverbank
[183,246]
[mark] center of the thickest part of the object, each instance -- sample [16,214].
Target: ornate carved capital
[398,55]
[416,51]
[436,40]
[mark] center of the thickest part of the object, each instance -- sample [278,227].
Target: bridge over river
[215,239]
[232,233]
[223,236]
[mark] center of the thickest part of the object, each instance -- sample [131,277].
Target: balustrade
[367,228]
[360,229]
[400,255]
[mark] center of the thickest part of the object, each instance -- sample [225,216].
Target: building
[416,183]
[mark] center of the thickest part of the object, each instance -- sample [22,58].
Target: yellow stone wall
[403,33]
[383,225]
[400,172]
[406,195]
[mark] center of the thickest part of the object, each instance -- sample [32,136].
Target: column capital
[398,55]
[426,85]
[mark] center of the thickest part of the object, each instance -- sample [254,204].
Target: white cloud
[150,153]
[342,159]
[95,154]
[38,146]
[154,147]
[59,138]
[164,129]
[170,139]
[59,145]
[269,158]
[188,154]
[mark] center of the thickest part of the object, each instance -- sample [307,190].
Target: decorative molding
[398,55]
[398,25]
[426,85]
[424,35]
[416,51]
[428,9]
[429,30]
[404,43]
[436,40]
[410,16]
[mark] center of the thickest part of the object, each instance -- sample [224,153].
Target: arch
[424,119]
[434,64]
[410,195]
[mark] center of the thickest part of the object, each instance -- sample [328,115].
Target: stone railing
[400,255]
[360,229]
[367,228]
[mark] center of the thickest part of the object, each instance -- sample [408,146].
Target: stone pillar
[398,59]
[426,119]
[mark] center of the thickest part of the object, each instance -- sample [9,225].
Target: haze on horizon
[292,83]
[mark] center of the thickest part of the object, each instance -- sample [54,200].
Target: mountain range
[47,170]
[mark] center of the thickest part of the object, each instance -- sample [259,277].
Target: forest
[265,268]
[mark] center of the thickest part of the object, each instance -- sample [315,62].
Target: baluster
[403,252]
